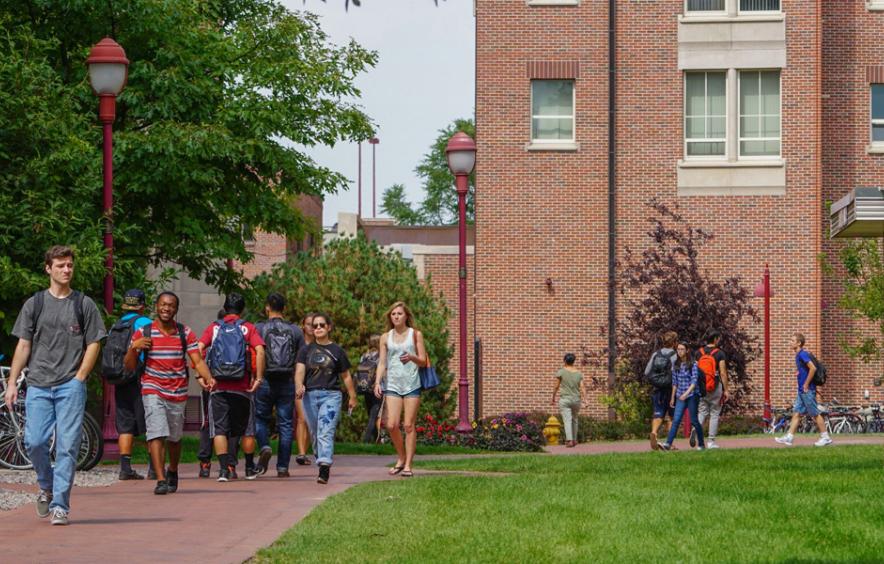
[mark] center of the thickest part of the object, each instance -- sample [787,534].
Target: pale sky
[424,79]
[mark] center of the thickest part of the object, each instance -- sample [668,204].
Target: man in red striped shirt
[166,345]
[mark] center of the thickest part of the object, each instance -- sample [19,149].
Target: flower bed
[513,432]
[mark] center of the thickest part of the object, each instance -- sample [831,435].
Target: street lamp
[108,70]
[374,207]
[762,290]
[461,154]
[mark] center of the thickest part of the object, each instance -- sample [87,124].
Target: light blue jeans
[58,409]
[322,410]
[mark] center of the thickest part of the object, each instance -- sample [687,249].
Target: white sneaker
[58,516]
[785,440]
[701,448]
[823,442]
[711,444]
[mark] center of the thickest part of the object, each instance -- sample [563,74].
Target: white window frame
[740,137]
[872,120]
[573,115]
[706,115]
[757,12]
[705,12]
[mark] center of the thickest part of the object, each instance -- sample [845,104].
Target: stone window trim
[875,5]
[732,11]
[552,2]
[723,178]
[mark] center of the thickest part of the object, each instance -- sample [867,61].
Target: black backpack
[365,373]
[114,353]
[38,309]
[661,370]
[819,377]
[280,343]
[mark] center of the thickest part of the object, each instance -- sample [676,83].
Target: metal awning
[858,214]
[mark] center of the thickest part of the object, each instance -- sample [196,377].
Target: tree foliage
[221,95]
[355,282]
[864,294]
[664,288]
[439,206]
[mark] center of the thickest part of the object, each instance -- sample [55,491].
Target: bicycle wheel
[12,438]
[91,445]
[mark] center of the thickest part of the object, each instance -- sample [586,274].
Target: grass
[190,447]
[747,505]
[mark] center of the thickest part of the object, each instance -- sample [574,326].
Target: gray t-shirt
[58,351]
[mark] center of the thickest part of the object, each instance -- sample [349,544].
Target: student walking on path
[166,346]
[805,401]
[282,341]
[570,381]
[59,332]
[685,395]
[365,378]
[302,434]
[712,365]
[659,372]
[402,352]
[321,366]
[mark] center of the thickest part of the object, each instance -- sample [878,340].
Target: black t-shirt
[719,357]
[324,364]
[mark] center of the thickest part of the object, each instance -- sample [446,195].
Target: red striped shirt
[165,370]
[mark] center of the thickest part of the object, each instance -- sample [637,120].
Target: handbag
[429,378]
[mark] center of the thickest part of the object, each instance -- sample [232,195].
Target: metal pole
[463,397]
[359,180]
[766,341]
[374,207]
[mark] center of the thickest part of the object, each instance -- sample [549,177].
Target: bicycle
[14,455]
[776,424]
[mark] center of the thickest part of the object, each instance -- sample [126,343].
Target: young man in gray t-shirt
[59,335]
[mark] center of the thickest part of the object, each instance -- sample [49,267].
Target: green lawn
[800,504]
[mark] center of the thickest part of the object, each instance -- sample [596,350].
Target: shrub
[513,432]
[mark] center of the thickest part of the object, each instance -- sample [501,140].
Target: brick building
[748,114]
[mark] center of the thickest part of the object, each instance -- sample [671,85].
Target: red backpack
[708,370]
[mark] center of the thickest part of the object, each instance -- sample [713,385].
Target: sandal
[407,473]
[302,460]
[396,469]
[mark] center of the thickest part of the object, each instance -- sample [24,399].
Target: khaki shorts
[163,418]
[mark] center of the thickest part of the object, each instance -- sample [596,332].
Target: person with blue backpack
[282,341]
[232,343]
[128,406]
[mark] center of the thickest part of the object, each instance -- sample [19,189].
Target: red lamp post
[762,290]
[108,71]
[374,207]
[461,153]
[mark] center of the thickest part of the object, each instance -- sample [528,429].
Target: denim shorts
[660,400]
[414,394]
[805,404]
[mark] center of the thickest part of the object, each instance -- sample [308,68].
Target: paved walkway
[211,522]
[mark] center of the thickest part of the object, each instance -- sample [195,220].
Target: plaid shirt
[682,378]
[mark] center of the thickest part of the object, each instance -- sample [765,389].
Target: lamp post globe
[461,155]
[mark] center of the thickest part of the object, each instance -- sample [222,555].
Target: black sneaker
[302,460]
[151,475]
[130,475]
[252,472]
[233,475]
[693,439]
[324,471]
[264,459]
[172,480]
[205,469]
[162,488]
[227,474]
[283,474]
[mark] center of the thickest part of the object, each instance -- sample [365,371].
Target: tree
[439,206]
[864,294]
[663,289]
[355,282]
[221,95]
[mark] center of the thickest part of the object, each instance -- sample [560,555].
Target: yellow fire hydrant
[552,430]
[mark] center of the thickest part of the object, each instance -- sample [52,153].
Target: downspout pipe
[612,194]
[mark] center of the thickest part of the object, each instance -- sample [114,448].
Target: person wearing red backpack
[805,402]
[712,363]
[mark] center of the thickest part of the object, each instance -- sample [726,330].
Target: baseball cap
[134,299]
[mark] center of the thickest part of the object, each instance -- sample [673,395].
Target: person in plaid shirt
[685,395]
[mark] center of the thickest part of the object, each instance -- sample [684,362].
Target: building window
[759,5]
[705,115]
[759,114]
[705,6]
[552,110]
[878,114]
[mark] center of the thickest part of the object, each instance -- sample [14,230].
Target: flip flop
[407,473]
[396,469]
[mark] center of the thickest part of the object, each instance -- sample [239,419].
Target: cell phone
[350,412]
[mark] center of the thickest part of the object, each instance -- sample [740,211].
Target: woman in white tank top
[402,352]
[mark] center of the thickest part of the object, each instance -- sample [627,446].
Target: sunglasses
[319,325]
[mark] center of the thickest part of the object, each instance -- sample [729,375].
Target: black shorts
[129,413]
[231,414]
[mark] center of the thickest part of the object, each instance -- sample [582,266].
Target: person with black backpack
[809,370]
[128,407]
[69,330]
[659,373]
[282,341]
[365,376]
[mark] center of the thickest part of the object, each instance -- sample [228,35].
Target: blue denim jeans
[805,404]
[279,394]
[322,410]
[58,409]
[691,405]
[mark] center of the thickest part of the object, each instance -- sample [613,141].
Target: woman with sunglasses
[320,367]
[302,436]
[402,353]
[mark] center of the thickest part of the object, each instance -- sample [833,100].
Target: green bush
[511,432]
